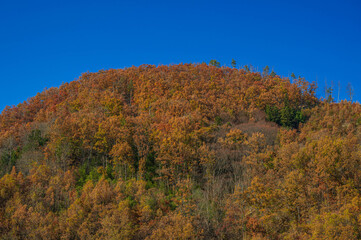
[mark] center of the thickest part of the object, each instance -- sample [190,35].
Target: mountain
[186,151]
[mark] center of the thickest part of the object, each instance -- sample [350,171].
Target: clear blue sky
[45,43]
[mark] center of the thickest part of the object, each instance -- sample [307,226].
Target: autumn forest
[187,151]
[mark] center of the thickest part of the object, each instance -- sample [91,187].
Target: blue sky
[46,43]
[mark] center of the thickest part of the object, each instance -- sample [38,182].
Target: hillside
[180,152]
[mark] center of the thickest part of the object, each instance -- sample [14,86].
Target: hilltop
[187,151]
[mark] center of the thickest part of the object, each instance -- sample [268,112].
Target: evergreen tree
[273,74]
[234,63]
[266,71]
[214,63]
[273,114]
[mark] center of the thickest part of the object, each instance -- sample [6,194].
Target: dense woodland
[189,151]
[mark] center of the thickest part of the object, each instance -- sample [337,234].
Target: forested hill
[180,152]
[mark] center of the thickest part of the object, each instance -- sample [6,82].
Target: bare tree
[328,92]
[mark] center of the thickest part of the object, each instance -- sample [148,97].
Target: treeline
[180,152]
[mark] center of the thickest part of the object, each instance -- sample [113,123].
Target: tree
[329,92]
[287,117]
[273,74]
[266,71]
[234,64]
[214,63]
[246,68]
[273,114]
[350,91]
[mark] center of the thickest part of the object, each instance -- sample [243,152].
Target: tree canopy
[188,151]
